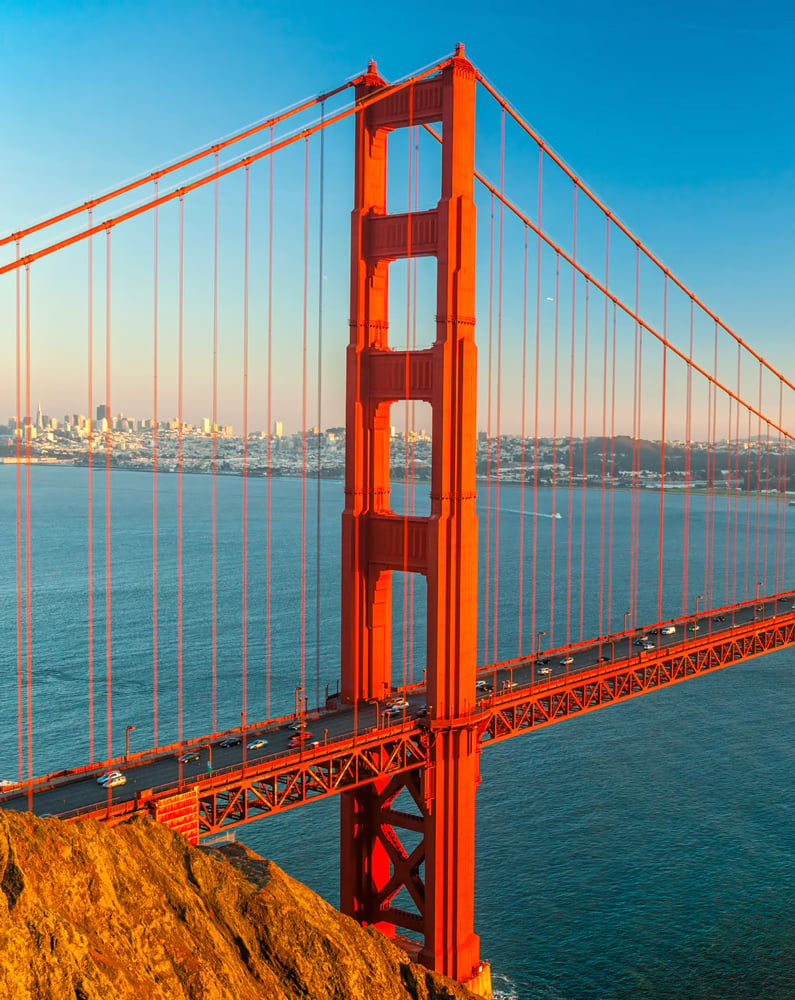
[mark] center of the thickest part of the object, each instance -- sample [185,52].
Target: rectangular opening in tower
[409,631]
[410,458]
[412,303]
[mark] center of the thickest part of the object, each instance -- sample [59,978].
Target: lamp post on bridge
[626,615]
[127,731]
[700,597]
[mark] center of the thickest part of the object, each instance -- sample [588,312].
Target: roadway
[73,793]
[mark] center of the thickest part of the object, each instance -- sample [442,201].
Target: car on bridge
[257,744]
[566,661]
[297,725]
[398,703]
[668,630]
[648,646]
[190,756]
[719,618]
[640,640]
[111,779]
[391,710]
[300,738]
[230,741]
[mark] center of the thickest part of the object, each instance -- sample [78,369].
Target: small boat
[557,515]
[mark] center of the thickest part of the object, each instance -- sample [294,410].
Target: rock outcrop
[89,912]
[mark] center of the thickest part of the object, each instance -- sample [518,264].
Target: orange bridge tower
[438,872]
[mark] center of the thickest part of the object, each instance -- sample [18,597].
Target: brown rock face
[89,912]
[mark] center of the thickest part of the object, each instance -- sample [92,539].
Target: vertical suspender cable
[637,477]
[554,454]
[303,424]
[767,505]
[584,458]
[748,504]
[407,437]
[486,598]
[522,460]
[728,500]
[154,479]
[108,456]
[710,564]
[244,491]
[90,493]
[688,434]
[660,531]
[499,397]
[535,400]
[180,435]
[571,421]
[28,636]
[736,476]
[269,404]
[18,431]
[781,486]
[214,637]
[635,435]
[321,193]
[602,629]
[413,404]
[759,482]
[612,474]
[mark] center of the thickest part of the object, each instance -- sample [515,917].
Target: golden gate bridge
[593,379]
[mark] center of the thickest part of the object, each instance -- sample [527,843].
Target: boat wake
[529,513]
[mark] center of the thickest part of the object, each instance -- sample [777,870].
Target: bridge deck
[351,747]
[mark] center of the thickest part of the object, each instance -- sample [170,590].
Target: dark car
[190,756]
[230,741]
[719,618]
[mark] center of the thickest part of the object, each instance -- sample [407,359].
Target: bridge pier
[376,864]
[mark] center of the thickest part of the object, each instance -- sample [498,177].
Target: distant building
[278,429]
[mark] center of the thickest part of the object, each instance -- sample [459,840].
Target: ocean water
[646,850]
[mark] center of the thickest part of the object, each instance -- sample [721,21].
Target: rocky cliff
[89,912]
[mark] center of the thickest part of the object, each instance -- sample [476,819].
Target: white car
[393,710]
[668,630]
[566,661]
[297,725]
[398,703]
[112,779]
[257,744]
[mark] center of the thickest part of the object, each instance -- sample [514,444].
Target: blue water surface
[646,850]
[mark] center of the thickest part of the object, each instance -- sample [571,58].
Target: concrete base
[480,983]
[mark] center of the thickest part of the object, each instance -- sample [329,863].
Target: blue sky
[680,117]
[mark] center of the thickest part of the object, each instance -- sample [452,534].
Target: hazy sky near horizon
[680,118]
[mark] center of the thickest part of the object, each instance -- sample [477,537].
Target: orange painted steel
[443,546]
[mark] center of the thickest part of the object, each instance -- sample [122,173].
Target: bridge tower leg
[442,546]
